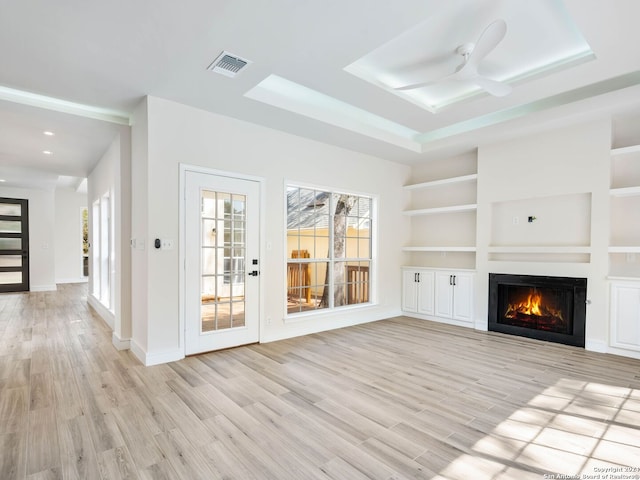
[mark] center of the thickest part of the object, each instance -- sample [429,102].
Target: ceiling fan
[473,54]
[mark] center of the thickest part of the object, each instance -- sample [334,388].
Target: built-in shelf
[625,192]
[433,211]
[444,181]
[625,150]
[540,249]
[439,249]
[629,249]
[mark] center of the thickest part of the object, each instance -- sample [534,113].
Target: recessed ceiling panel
[540,38]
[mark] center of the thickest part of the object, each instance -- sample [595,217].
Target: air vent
[228,64]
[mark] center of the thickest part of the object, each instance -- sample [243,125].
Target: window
[103,250]
[328,249]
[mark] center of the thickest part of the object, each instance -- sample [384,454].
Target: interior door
[222,297]
[14,245]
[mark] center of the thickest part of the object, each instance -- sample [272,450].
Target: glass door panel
[222,255]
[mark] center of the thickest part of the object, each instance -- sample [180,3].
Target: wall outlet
[516,220]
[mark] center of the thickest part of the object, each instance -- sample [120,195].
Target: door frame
[184,168]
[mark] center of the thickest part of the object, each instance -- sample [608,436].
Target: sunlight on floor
[570,430]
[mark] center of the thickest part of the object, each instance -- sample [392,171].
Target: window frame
[372,259]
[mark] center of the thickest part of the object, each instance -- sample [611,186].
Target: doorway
[222,288]
[14,245]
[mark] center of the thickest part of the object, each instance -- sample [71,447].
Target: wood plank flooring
[395,399]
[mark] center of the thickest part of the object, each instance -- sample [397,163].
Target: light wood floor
[395,399]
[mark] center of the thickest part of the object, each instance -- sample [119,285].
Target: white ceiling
[103,57]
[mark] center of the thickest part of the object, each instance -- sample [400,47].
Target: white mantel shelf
[625,150]
[635,249]
[540,249]
[625,192]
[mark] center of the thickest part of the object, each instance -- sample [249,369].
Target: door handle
[255,273]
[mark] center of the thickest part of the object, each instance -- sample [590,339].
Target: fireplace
[545,308]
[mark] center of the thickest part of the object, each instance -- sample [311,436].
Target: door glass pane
[10,277]
[10,260]
[8,226]
[10,209]
[10,243]
[222,256]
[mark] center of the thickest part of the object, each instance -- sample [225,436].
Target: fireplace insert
[544,308]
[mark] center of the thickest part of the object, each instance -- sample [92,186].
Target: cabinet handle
[418,274]
[450,279]
[454,280]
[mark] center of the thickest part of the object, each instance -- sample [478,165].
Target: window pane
[364,248]
[10,243]
[209,260]
[10,277]
[8,226]
[10,209]
[10,260]
[208,204]
[209,233]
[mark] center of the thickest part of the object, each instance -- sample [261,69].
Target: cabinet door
[463,297]
[625,316]
[425,292]
[409,291]
[443,294]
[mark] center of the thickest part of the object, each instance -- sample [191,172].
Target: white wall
[180,134]
[562,178]
[42,270]
[112,175]
[68,235]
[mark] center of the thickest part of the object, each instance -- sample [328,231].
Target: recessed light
[47,152]
[2,180]
[48,133]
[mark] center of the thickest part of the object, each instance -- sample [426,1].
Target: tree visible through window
[328,248]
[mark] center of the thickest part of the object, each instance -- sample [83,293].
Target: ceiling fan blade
[489,39]
[495,88]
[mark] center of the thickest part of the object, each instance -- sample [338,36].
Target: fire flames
[533,306]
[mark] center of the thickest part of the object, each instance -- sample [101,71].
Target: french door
[222,287]
[14,245]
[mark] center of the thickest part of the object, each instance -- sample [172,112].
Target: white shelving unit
[453,214]
[625,200]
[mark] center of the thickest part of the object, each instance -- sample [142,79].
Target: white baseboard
[596,346]
[42,288]
[157,358]
[102,311]
[120,343]
[299,326]
[73,280]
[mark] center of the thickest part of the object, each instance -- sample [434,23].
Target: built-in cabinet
[454,295]
[625,314]
[440,295]
[418,291]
